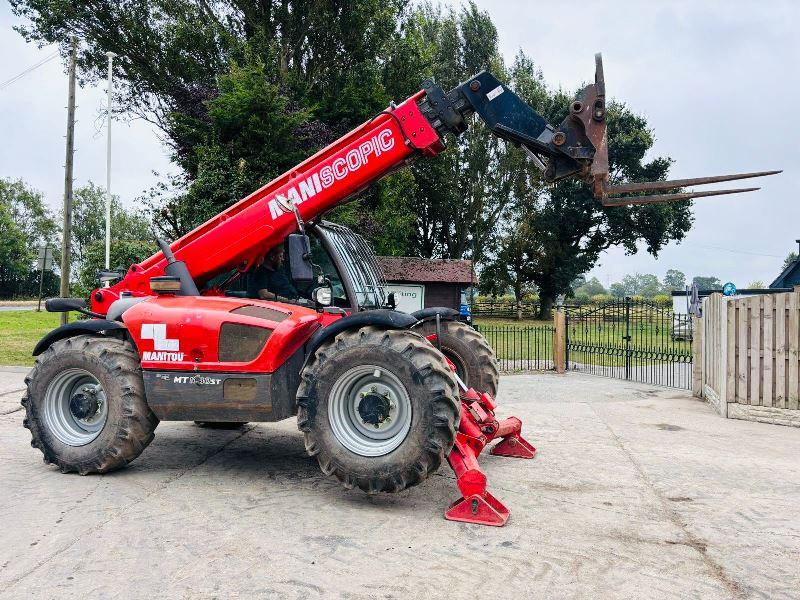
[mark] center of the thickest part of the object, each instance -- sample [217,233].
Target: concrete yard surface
[636,492]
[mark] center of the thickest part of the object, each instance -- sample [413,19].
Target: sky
[717,80]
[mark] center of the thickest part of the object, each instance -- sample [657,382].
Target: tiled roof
[427,270]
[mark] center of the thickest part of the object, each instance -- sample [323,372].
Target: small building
[424,282]
[790,276]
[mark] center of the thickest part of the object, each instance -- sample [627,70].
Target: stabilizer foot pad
[514,446]
[480,510]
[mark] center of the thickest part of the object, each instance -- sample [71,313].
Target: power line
[733,251]
[19,76]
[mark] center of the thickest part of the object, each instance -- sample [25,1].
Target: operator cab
[342,257]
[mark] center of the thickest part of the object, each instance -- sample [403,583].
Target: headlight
[323,296]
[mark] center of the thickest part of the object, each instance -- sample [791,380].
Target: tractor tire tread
[138,422]
[483,375]
[437,378]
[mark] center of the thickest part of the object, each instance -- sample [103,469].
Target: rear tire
[378,408]
[475,361]
[85,405]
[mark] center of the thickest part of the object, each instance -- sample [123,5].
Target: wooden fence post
[697,356]
[560,341]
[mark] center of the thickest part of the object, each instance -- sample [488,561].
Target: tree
[618,290]
[26,224]
[510,267]
[592,287]
[131,237]
[124,253]
[707,282]
[638,284]
[241,89]
[756,284]
[674,280]
[30,213]
[461,194]
[790,258]
[15,257]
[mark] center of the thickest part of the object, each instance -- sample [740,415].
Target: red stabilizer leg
[513,444]
[480,510]
[478,427]
[514,447]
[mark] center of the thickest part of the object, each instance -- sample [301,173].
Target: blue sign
[729,289]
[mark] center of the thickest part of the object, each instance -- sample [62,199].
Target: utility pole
[110,101]
[66,239]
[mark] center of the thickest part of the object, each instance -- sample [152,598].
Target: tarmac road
[635,492]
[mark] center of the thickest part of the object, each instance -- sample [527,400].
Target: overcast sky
[717,81]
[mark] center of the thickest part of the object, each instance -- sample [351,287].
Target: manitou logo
[165,347]
[337,170]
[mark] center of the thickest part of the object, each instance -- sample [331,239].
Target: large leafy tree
[674,280]
[29,211]
[26,224]
[461,194]
[707,282]
[241,88]
[15,258]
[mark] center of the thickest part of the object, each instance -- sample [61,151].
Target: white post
[111,56]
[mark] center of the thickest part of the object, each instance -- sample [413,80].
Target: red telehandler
[382,397]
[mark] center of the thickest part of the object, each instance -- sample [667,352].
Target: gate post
[627,337]
[560,341]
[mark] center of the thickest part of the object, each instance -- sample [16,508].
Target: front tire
[85,405]
[378,408]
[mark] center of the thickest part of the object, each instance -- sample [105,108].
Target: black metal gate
[631,339]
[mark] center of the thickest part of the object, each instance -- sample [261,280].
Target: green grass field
[19,332]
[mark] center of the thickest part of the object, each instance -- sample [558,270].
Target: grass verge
[19,332]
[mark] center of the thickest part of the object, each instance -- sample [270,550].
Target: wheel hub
[374,408]
[84,405]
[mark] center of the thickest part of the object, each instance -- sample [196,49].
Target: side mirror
[300,258]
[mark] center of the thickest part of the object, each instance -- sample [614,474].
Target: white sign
[408,297]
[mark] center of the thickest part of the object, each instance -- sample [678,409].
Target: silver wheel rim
[59,418]
[350,404]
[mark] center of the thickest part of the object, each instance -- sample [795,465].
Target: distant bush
[663,300]
[601,298]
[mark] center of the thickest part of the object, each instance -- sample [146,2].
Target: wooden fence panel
[768,357]
[749,349]
[755,350]
[741,353]
[794,345]
[780,351]
[730,352]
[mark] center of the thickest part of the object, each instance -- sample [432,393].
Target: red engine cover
[183,333]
